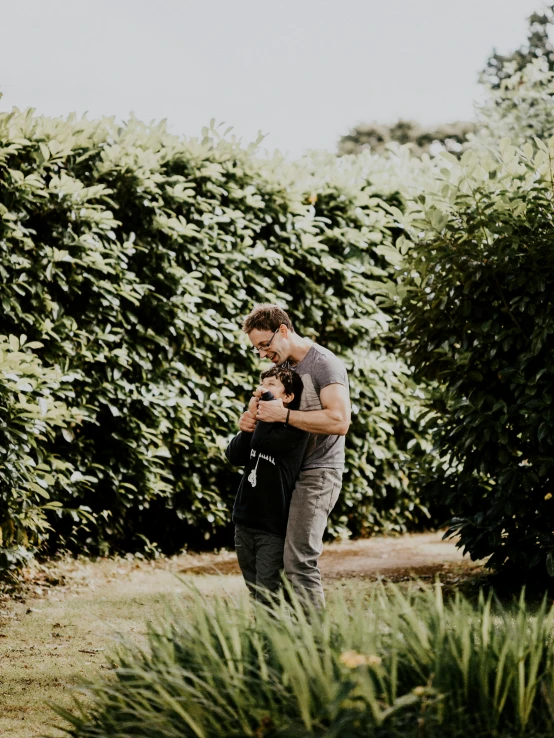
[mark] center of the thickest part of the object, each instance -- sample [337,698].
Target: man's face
[270,345]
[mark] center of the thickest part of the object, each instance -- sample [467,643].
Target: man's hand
[272,411]
[247,422]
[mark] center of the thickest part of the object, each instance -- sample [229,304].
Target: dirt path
[421,555]
[59,631]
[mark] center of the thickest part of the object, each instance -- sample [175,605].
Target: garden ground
[58,629]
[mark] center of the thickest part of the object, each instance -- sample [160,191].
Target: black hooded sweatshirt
[272,457]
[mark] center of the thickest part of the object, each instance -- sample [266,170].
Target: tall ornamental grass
[396,664]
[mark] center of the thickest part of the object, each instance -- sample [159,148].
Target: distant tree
[519,103]
[521,108]
[375,136]
[519,89]
[500,67]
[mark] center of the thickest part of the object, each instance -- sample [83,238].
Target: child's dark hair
[291,382]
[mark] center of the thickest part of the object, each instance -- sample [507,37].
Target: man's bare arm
[333,420]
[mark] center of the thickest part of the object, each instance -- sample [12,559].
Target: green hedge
[479,323]
[133,255]
[31,480]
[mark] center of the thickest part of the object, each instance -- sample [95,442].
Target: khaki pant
[315,495]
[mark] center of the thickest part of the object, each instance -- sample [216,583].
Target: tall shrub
[479,323]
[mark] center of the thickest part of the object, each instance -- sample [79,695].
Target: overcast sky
[302,71]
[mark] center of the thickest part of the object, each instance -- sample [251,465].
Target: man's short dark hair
[266,317]
[292,383]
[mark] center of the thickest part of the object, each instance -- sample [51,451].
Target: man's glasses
[264,346]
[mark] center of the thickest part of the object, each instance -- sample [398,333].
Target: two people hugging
[291,444]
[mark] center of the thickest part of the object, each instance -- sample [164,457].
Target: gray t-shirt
[319,368]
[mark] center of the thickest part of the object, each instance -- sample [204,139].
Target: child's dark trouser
[260,558]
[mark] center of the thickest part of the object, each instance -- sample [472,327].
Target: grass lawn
[51,637]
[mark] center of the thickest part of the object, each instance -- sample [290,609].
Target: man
[325,413]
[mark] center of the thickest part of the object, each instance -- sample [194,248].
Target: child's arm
[238,450]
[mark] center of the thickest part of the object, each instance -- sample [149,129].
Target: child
[272,457]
